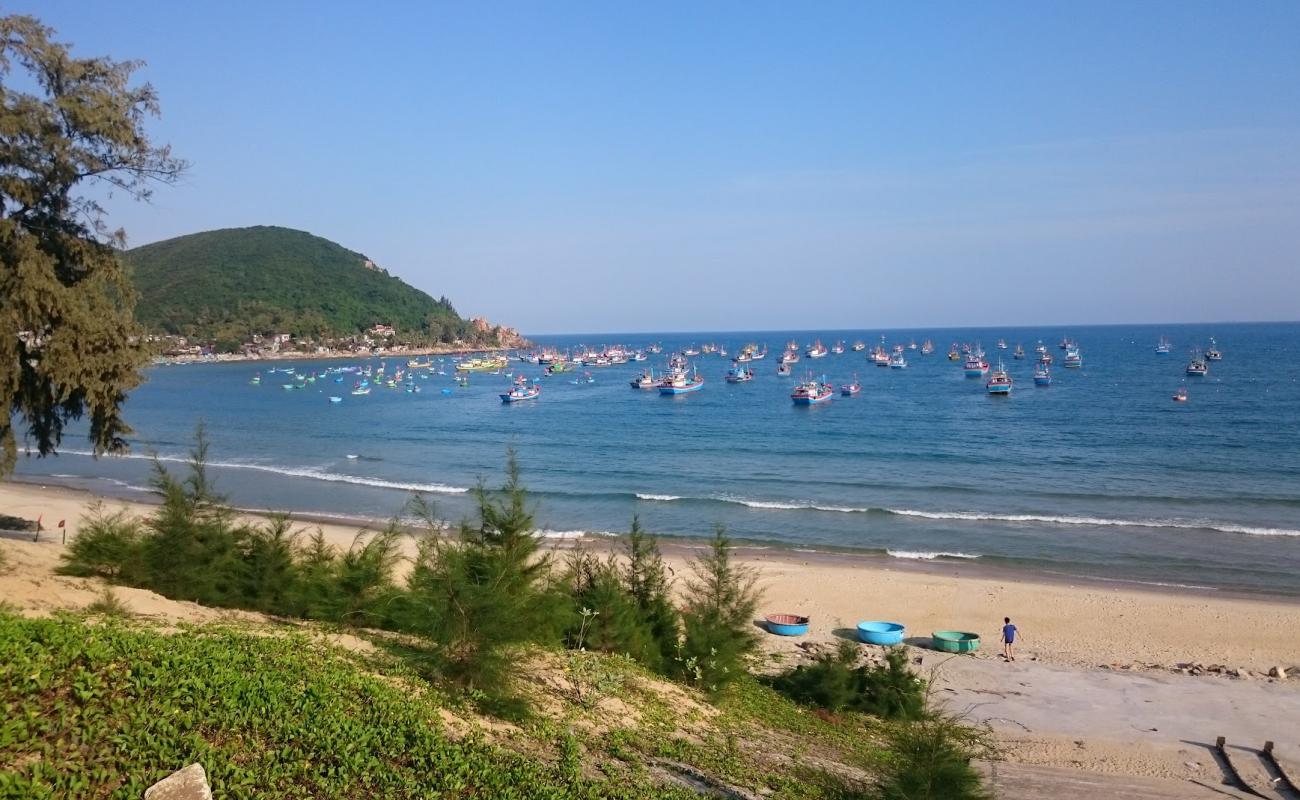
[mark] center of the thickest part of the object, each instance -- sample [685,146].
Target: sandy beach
[1098,663]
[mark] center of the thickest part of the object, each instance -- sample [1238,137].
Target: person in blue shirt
[1008,639]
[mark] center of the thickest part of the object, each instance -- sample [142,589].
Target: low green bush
[835,682]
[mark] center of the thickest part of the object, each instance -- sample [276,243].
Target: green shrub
[718,623]
[833,682]
[930,760]
[646,580]
[610,619]
[478,597]
[108,546]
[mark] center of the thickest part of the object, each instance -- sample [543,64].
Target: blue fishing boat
[1042,375]
[1163,346]
[1073,359]
[976,366]
[1000,381]
[524,392]
[739,373]
[681,383]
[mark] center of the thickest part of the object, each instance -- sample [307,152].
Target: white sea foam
[1210,525]
[660,497]
[307,472]
[923,556]
[775,506]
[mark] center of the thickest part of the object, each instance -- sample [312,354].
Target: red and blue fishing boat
[976,366]
[1042,375]
[811,392]
[850,389]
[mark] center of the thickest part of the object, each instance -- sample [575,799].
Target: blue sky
[572,167]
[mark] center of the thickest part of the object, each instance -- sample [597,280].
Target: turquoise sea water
[1099,475]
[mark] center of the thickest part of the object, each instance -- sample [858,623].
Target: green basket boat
[956,641]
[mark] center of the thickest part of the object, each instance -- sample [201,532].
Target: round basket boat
[787,624]
[956,641]
[883,633]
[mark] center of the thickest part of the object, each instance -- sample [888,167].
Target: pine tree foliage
[718,623]
[71,130]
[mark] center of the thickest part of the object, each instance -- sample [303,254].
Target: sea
[1100,476]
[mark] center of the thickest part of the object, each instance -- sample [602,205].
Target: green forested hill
[225,285]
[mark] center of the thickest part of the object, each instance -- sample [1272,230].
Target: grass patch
[109,605]
[105,711]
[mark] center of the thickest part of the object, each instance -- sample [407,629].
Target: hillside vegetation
[226,285]
[491,670]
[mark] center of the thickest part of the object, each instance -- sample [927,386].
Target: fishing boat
[976,366]
[1019,352]
[811,392]
[739,373]
[691,351]
[336,399]
[1197,366]
[783,368]
[880,357]
[1002,344]
[1045,358]
[859,346]
[1073,359]
[1212,353]
[837,348]
[1042,375]
[521,392]
[927,348]
[681,383]
[912,345]
[896,361]
[1163,347]
[1065,343]
[816,350]
[1040,348]
[790,357]
[758,355]
[558,367]
[954,354]
[655,349]
[999,381]
[646,380]
[361,390]
[638,355]
[1180,396]
[850,389]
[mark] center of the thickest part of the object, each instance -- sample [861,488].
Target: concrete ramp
[1025,782]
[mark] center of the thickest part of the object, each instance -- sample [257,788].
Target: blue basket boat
[787,624]
[882,633]
[956,641]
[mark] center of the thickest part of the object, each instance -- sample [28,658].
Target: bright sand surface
[1056,705]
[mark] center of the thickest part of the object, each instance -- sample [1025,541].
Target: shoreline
[236,358]
[826,555]
[1075,623]
[685,547]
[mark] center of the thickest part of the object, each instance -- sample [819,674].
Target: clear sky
[604,166]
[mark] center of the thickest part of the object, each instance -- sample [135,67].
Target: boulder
[190,783]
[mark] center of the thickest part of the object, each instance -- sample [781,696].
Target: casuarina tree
[72,132]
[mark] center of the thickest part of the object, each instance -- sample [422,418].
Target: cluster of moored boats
[681,377]
[1198,364]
